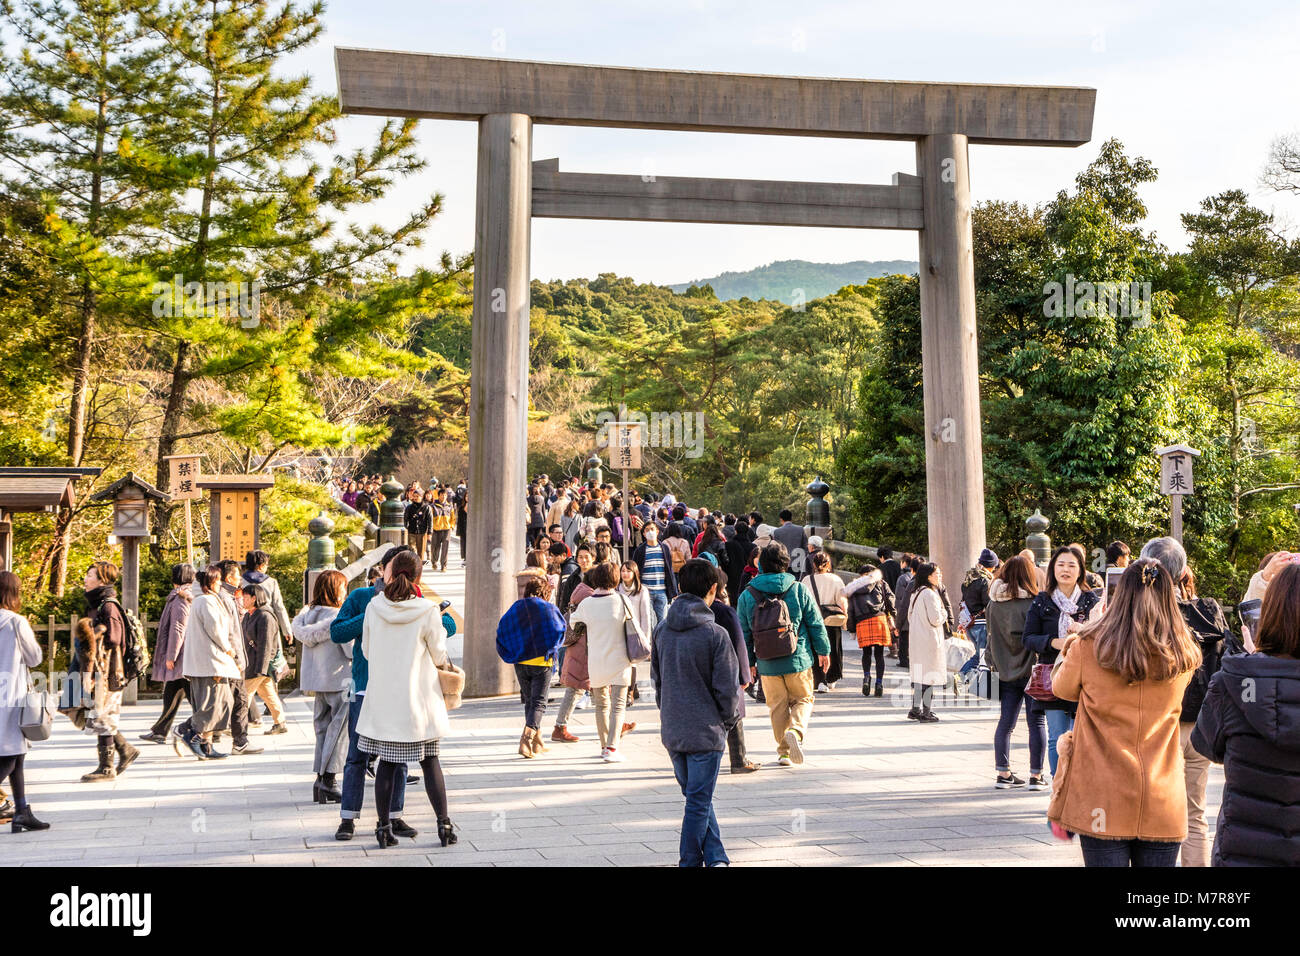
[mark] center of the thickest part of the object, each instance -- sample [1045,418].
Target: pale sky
[1201,89]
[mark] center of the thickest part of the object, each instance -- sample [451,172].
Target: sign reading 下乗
[1176,469]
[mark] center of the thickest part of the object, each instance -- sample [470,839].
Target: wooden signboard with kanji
[183,477]
[235,522]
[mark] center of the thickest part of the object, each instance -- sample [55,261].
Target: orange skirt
[874,630]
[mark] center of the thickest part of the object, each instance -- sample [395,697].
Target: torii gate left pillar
[498,376]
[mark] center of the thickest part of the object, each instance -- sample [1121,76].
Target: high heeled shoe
[25,820]
[325,789]
[446,833]
[384,834]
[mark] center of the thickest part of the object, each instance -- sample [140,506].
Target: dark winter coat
[693,668]
[1205,618]
[261,637]
[1042,625]
[1250,722]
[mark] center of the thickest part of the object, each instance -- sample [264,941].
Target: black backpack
[135,650]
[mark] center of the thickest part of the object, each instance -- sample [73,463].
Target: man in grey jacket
[694,671]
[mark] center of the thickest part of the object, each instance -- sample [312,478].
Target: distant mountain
[779,280]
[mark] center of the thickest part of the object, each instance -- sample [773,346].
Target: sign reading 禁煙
[183,476]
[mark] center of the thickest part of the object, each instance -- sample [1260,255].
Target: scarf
[1068,607]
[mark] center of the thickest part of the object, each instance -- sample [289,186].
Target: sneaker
[197,746]
[583,703]
[747,767]
[914,714]
[256,724]
[831,685]
[245,750]
[928,717]
[1038,782]
[210,754]
[612,755]
[154,738]
[822,688]
[1009,783]
[795,745]
[604,752]
[785,762]
[277,729]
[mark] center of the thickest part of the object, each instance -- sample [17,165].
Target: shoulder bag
[638,645]
[832,616]
[451,679]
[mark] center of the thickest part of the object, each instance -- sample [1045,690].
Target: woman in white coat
[404,716]
[326,671]
[18,652]
[643,610]
[608,668]
[926,617]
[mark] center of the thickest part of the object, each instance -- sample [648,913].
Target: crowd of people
[430,515]
[1130,682]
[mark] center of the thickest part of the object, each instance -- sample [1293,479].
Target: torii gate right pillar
[954,457]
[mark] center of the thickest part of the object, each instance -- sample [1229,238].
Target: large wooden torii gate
[505,98]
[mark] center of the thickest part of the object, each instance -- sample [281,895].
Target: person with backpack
[1210,629]
[528,636]
[261,632]
[870,618]
[783,631]
[108,621]
[678,546]
[693,668]
[1119,780]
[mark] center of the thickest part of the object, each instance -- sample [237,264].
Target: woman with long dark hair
[404,715]
[926,617]
[19,652]
[1062,608]
[1119,782]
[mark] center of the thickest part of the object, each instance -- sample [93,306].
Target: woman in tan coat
[1119,784]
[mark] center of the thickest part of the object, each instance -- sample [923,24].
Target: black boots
[325,789]
[345,830]
[880,689]
[105,769]
[866,688]
[446,834]
[126,754]
[384,834]
[403,829]
[24,820]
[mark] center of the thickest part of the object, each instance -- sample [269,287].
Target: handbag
[451,680]
[36,722]
[1040,683]
[832,616]
[638,645]
[957,651]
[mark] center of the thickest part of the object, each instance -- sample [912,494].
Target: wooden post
[131,599]
[189,534]
[1176,518]
[627,519]
[954,459]
[49,653]
[498,413]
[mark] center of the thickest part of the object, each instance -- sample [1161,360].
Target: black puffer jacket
[1250,722]
[1205,618]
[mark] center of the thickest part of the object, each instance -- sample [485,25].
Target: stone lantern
[818,511]
[1037,540]
[320,552]
[594,471]
[391,528]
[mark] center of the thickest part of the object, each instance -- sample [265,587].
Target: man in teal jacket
[787,681]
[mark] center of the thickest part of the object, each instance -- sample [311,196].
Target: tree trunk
[171,426]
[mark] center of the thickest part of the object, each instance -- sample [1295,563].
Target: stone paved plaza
[876,789]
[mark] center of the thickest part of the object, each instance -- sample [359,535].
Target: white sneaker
[821,688]
[583,703]
[785,762]
[612,755]
[604,752]
[792,743]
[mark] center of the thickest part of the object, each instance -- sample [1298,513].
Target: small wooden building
[34,490]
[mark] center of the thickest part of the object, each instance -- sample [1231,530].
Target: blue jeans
[978,632]
[354,773]
[1013,697]
[1127,852]
[659,600]
[697,775]
[1058,722]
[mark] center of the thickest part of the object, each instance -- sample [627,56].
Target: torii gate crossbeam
[505,97]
